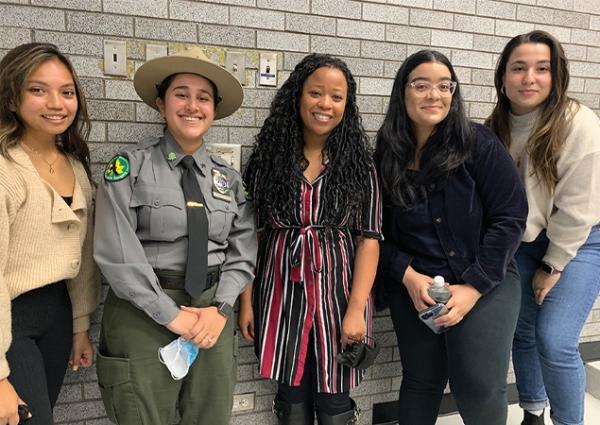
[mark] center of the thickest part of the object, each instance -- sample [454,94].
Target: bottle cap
[438,282]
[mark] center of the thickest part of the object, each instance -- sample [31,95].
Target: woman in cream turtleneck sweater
[48,282]
[556,144]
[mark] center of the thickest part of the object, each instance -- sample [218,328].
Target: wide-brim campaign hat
[191,60]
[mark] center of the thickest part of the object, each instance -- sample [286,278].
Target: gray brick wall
[373,36]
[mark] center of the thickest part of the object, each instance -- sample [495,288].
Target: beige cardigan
[43,241]
[569,213]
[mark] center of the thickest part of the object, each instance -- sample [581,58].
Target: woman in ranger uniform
[314,186]
[176,241]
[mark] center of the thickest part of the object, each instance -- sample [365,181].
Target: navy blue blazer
[479,214]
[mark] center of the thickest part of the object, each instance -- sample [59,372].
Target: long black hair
[396,146]
[274,170]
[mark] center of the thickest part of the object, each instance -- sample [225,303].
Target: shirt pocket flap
[220,217]
[156,196]
[225,207]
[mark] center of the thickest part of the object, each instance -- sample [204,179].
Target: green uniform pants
[137,389]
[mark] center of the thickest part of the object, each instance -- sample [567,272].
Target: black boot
[531,419]
[349,417]
[294,414]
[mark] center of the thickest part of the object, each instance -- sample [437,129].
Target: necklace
[39,155]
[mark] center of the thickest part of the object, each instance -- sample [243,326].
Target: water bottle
[439,290]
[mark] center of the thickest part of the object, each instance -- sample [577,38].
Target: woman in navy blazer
[453,206]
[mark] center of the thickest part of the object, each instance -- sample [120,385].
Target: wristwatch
[547,268]
[223,308]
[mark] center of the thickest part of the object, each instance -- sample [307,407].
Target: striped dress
[302,285]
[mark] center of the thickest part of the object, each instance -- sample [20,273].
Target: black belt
[171,279]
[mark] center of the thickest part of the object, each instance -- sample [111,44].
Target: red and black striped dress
[303,283]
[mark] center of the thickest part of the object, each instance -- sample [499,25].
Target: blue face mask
[178,356]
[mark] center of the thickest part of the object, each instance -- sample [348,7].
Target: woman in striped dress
[316,194]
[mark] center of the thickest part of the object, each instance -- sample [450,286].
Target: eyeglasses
[444,88]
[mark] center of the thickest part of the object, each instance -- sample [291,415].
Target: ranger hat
[190,61]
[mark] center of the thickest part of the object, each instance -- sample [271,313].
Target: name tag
[193,204]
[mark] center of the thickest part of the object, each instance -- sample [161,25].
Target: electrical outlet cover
[243,402]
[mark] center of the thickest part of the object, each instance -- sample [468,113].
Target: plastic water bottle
[439,290]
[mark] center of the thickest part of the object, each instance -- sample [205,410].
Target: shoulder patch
[246,193]
[117,169]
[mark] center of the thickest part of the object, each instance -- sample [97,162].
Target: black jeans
[42,333]
[474,355]
[328,403]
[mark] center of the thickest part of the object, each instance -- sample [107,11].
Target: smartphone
[428,316]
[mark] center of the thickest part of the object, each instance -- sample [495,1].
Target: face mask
[178,356]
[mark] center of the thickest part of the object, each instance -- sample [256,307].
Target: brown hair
[546,141]
[15,68]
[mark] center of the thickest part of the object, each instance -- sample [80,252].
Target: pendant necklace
[39,155]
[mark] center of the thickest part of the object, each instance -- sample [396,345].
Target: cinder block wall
[372,36]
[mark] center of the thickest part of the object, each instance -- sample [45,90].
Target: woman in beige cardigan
[48,282]
[555,142]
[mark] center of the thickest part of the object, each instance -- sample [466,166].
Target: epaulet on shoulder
[220,161]
[148,142]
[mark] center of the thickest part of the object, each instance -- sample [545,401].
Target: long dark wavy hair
[15,68]
[274,170]
[546,141]
[396,147]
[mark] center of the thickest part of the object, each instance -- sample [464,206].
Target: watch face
[224,308]
[547,268]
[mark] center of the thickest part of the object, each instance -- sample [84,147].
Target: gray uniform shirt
[141,225]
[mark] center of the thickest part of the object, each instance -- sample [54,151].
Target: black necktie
[197,255]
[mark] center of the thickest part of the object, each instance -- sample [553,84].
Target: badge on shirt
[116,169]
[172,156]
[220,188]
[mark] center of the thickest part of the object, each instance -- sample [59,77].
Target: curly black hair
[274,170]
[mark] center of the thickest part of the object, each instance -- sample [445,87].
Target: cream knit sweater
[43,241]
[569,213]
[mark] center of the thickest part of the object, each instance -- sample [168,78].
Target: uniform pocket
[220,217]
[160,212]
[117,391]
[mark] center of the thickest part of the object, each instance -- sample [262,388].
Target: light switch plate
[235,62]
[154,51]
[115,57]
[267,69]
